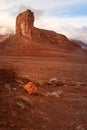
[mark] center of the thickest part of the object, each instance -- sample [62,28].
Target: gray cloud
[37,12]
[63,26]
[6,30]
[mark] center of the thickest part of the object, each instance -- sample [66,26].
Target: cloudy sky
[68,17]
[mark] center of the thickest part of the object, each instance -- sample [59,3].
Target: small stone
[73,83]
[80,128]
[65,85]
[54,93]
[19,81]
[25,100]
[14,89]
[21,105]
[53,82]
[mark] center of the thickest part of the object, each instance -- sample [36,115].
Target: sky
[68,17]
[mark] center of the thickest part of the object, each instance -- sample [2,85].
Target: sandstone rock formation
[24,23]
[25,27]
[29,38]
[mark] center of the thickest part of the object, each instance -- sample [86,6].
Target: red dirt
[66,112]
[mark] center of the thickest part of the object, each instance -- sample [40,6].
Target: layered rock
[24,23]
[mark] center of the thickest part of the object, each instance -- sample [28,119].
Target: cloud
[58,4]
[7,23]
[37,12]
[4,4]
[66,26]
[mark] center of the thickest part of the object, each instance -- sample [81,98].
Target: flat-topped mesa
[25,23]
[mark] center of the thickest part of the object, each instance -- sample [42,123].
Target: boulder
[31,88]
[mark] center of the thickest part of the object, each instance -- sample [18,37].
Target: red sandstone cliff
[29,38]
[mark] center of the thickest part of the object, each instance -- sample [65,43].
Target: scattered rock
[53,82]
[19,81]
[31,88]
[54,93]
[23,80]
[15,89]
[25,100]
[21,105]
[73,83]
[78,84]
[65,85]
[80,128]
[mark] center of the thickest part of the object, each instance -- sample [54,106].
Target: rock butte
[25,27]
[27,38]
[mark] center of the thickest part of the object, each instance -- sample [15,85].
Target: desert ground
[65,110]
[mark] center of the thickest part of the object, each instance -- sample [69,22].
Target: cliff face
[28,38]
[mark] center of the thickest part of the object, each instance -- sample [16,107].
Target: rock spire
[24,23]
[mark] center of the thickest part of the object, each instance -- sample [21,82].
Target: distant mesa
[28,38]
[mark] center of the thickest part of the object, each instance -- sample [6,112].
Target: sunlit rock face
[24,23]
